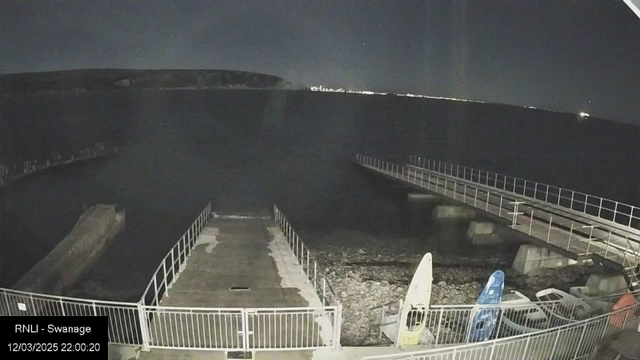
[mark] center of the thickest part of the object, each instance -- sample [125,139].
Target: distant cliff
[110,79]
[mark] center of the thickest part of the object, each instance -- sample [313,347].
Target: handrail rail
[55,158]
[489,199]
[67,298]
[298,248]
[191,236]
[538,189]
[510,339]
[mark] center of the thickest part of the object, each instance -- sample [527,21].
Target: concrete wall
[531,257]
[76,253]
[483,233]
[453,212]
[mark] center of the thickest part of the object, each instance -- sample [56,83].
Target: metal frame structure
[583,204]
[568,233]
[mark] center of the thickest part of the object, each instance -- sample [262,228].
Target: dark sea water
[243,151]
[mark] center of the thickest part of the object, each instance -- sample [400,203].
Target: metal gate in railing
[241,329]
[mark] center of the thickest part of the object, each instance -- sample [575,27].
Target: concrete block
[453,212]
[76,253]
[482,233]
[531,257]
[607,284]
[422,197]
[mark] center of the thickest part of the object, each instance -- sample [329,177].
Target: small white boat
[518,318]
[563,308]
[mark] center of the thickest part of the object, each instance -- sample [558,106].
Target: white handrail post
[164,270]
[142,318]
[475,198]
[338,326]
[324,291]
[549,232]
[439,325]
[584,329]
[487,204]
[308,271]
[570,235]
[315,274]
[530,222]
[155,287]
[173,266]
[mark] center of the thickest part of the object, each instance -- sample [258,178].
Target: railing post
[526,347]
[439,325]
[555,343]
[530,222]
[6,300]
[475,198]
[500,209]
[535,191]
[144,329]
[173,264]
[164,270]
[549,232]
[606,250]
[315,274]
[584,329]
[95,311]
[624,255]
[615,212]
[338,326]
[570,235]
[324,291]
[155,287]
[487,207]
[573,193]
[62,308]
[308,271]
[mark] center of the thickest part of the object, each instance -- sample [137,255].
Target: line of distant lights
[366,92]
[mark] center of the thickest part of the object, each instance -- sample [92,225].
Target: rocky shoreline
[368,271]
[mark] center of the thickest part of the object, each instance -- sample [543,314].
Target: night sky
[566,55]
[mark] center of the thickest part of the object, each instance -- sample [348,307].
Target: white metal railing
[561,232]
[12,173]
[174,262]
[264,329]
[451,324]
[124,324]
[570,341]
[309,264]
[606,209]
[295,328]
[195,328]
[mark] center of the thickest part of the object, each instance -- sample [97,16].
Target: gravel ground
[367,271]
